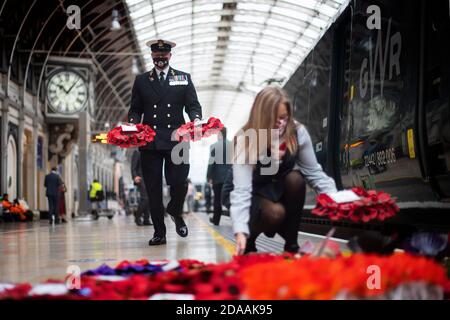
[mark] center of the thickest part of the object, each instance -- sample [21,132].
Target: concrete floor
[34,252]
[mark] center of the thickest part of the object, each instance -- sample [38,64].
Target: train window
[377,126]
[436,94]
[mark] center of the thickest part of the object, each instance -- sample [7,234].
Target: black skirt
[270,187]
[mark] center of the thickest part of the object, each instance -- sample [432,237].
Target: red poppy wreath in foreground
[189,132]
[372,205]
[258,276]
[129,139]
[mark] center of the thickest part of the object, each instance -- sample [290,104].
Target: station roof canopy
[233,48]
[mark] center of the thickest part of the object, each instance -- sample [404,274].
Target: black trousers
[217,188]
[143,208]
[53,207]
[152,162]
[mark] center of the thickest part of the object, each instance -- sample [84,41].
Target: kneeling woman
[272,203]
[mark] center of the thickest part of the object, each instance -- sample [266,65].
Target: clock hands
[73,85]
[61,87]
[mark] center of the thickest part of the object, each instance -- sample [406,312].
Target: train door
[377,126]
[436,85]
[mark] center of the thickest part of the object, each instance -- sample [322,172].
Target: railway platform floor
[36,251]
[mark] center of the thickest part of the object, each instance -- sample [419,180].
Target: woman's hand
[241,243]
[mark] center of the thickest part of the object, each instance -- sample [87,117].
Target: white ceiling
[233,48]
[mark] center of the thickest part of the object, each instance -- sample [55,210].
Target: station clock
[67,92]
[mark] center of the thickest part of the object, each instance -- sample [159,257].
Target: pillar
[32,202]
[20,151]
[4,145]
[83,145]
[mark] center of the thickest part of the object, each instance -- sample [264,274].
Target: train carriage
[374,95]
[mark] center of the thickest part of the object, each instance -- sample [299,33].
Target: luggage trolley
[103,208]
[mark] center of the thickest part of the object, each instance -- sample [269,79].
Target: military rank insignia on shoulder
[178,80]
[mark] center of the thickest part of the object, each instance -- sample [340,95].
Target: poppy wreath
[256,276]
[372,205]
[189,132]
[123,139]
[142,279]
[342,277]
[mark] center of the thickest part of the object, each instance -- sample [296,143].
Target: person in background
[143,211]
[20,212]
[190,196]
[208,194]
[5,202]
[228,186]
[6,207]
[52,184]
[62,203]
[96,195]
[122,197]
[271,203]
[219,164]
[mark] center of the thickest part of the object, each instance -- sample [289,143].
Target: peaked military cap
[161,45]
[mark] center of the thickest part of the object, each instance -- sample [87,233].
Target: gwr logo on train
[390,49]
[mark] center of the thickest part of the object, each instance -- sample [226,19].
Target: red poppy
[260,276]
[372,205]
[190,132]
[118,137]
[325,278]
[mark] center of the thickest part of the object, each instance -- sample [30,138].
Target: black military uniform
[161,102]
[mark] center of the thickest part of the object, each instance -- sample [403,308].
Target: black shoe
[138,221]
[63,220]
[213,222]
[148,223]
[156,241]
[180,226]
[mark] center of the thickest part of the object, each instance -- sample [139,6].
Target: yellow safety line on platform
[226,244]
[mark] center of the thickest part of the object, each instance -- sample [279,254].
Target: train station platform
[96,95]
[34,252]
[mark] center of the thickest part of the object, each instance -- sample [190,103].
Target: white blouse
[306,163]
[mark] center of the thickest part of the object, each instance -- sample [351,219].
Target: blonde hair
[263,116]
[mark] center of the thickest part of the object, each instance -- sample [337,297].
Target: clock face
[67,92]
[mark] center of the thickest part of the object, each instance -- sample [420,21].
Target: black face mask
[161,62]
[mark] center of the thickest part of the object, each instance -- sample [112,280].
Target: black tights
[284,216]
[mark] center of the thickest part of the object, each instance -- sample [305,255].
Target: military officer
[159,98]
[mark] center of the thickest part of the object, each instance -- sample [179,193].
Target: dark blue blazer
[217,172]
[227,188]
[52,183]
[162,105]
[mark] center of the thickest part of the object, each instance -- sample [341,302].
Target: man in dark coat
[227,188]
[159,97]
[219,164]
[52,184]
[143,210]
